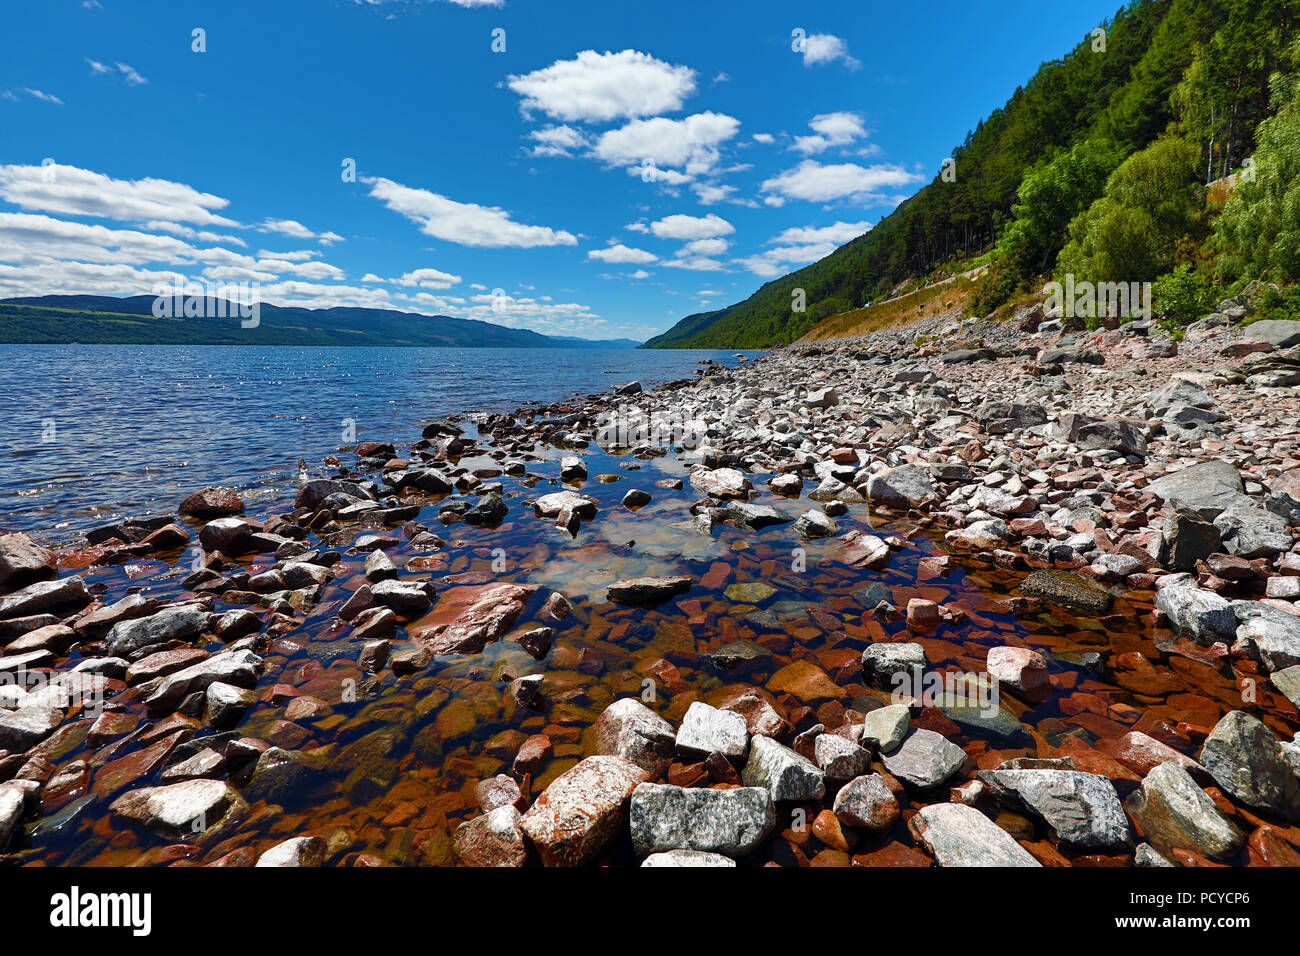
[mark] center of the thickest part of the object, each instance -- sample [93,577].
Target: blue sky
[616,167]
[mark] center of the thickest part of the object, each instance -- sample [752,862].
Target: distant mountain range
[108,320]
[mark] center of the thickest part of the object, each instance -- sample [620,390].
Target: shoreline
[1027,462]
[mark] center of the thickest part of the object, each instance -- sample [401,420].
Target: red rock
[466,619]
[212,503]
[582,810]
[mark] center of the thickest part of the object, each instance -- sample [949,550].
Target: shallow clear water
[94,432]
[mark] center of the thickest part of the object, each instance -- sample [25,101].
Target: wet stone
[840,758]
[494,839]
[882,662]
[1068,590]
[885,727]
[1175,813]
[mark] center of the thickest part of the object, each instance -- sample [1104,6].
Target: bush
[994,288]
[1182,296]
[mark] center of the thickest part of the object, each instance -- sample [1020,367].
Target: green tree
[1257,235]
[1152,204]
[1052,193]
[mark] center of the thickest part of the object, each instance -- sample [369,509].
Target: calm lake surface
[95,432]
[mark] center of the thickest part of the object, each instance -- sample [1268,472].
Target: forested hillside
[1096,167]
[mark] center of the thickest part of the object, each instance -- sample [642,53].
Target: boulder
[495,839]
[23,561]
[582,810]
[958,835]
[631,730]
[1207,488]
[1246,760]
[1081,809]
[180,810]
[1174,813]
[707,730]
[731,822]
[899,488]
[781,772]
[925,760]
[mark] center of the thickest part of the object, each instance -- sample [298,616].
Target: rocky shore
[481,648]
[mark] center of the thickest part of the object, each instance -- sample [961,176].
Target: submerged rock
[1068,590]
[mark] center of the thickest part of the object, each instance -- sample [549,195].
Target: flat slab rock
[640,592]
[958,835]
[681,858]
[1082,809]
[179,810]
[731,822]
[1066,589]
[925,760]
[582,810]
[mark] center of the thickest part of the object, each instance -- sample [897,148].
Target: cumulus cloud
[814,182]
[81,192]
[558,141]
[821,48]
[830,129]
[681,226]
[467,224]
[296,230]
[690,143]
[599,87]
[621,253]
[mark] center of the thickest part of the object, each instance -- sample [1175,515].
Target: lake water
[92,432]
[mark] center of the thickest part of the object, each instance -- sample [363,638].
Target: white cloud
[707,247]
[830,129]
[837,233]
[80,192]
[558,141]
[96,66]
[599,87]
[681,226]
[622,253]
[42,95]
[428,279]
[639,274]
[814,182]
[691,143]
[467,224]
[296,230]
[822,48]
[764,138]
[478,3]
[132,77]
[696,264]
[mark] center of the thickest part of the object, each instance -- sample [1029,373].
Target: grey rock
[1246,760]
[840,758]
[781,772]
[1252,532]
[1175,813]
[925,760]
[1082,809]
[706,730]
[1271,634]
[1208,488]
[731,822]
[1280,333]
[1200,614]
[885,727]
[631,730]
[170,624]
[45,596]
[882,663]
[958,835]
[899,488]
[680,858]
